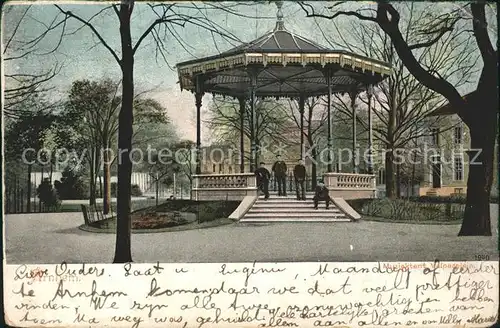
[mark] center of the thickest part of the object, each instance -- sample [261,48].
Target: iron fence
[15,201]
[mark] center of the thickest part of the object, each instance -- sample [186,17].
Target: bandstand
[281,64]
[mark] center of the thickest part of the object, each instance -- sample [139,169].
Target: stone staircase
[289,209]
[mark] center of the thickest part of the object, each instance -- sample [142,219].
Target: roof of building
[448,109]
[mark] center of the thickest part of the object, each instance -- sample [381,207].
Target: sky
[82,55]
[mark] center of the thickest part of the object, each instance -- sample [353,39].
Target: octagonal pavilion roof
[284,64]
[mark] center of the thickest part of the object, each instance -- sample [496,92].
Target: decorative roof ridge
[294,40]
[276,40]
[256,42]
[311,42]
[269,35]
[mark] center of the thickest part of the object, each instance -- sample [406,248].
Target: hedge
[447,199]
[408,210]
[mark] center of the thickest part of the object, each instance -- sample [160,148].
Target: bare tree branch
[96,33]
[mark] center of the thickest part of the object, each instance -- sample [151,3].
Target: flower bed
[155,220]
[205,210]
[173,213]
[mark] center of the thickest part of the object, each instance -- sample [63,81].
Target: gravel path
[52,238]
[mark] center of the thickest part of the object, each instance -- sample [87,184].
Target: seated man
[263,177]
[321,193]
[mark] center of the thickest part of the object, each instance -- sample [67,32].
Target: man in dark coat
[279,169]
[299,173]
[263,177]
[321,193]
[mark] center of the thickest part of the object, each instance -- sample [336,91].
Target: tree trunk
[390,190]
[100,187]
[313,170]
[106,193]
[28,204]
[123,252]
[190,188]
[51,171]
[157,191]
[477,210]
[398,180]
[413,169]
[15,194]
[92,178]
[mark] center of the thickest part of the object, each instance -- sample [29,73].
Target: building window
[435,172]
[221,168]
[458,168]
[435,136]
[458,135]
[213,168]
[230,168]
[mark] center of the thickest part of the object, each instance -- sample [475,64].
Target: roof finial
[280,25]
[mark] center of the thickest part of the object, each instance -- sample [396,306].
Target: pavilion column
[198,97]
[354,134]
[242,134]
[253,144]
[301,110]
[370,130]
[329,120]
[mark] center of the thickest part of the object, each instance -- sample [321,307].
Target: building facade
[447,165]
[445,162]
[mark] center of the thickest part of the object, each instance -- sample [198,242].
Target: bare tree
[480,109]
[225,116]
[402,103]
[169,18]
[21,86]
[94,106]
[315,117]
[185,159]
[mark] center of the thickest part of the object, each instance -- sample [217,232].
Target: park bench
[91,214]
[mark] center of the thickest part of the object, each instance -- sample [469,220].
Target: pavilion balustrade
[261,69]
[351,185]
[233,186]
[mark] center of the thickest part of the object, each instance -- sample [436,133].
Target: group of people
[279,169]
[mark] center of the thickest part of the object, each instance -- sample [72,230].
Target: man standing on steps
[299,173]
[279,169]
[321,193]
[263,177]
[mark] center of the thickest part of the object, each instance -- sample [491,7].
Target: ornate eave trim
[186,72]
